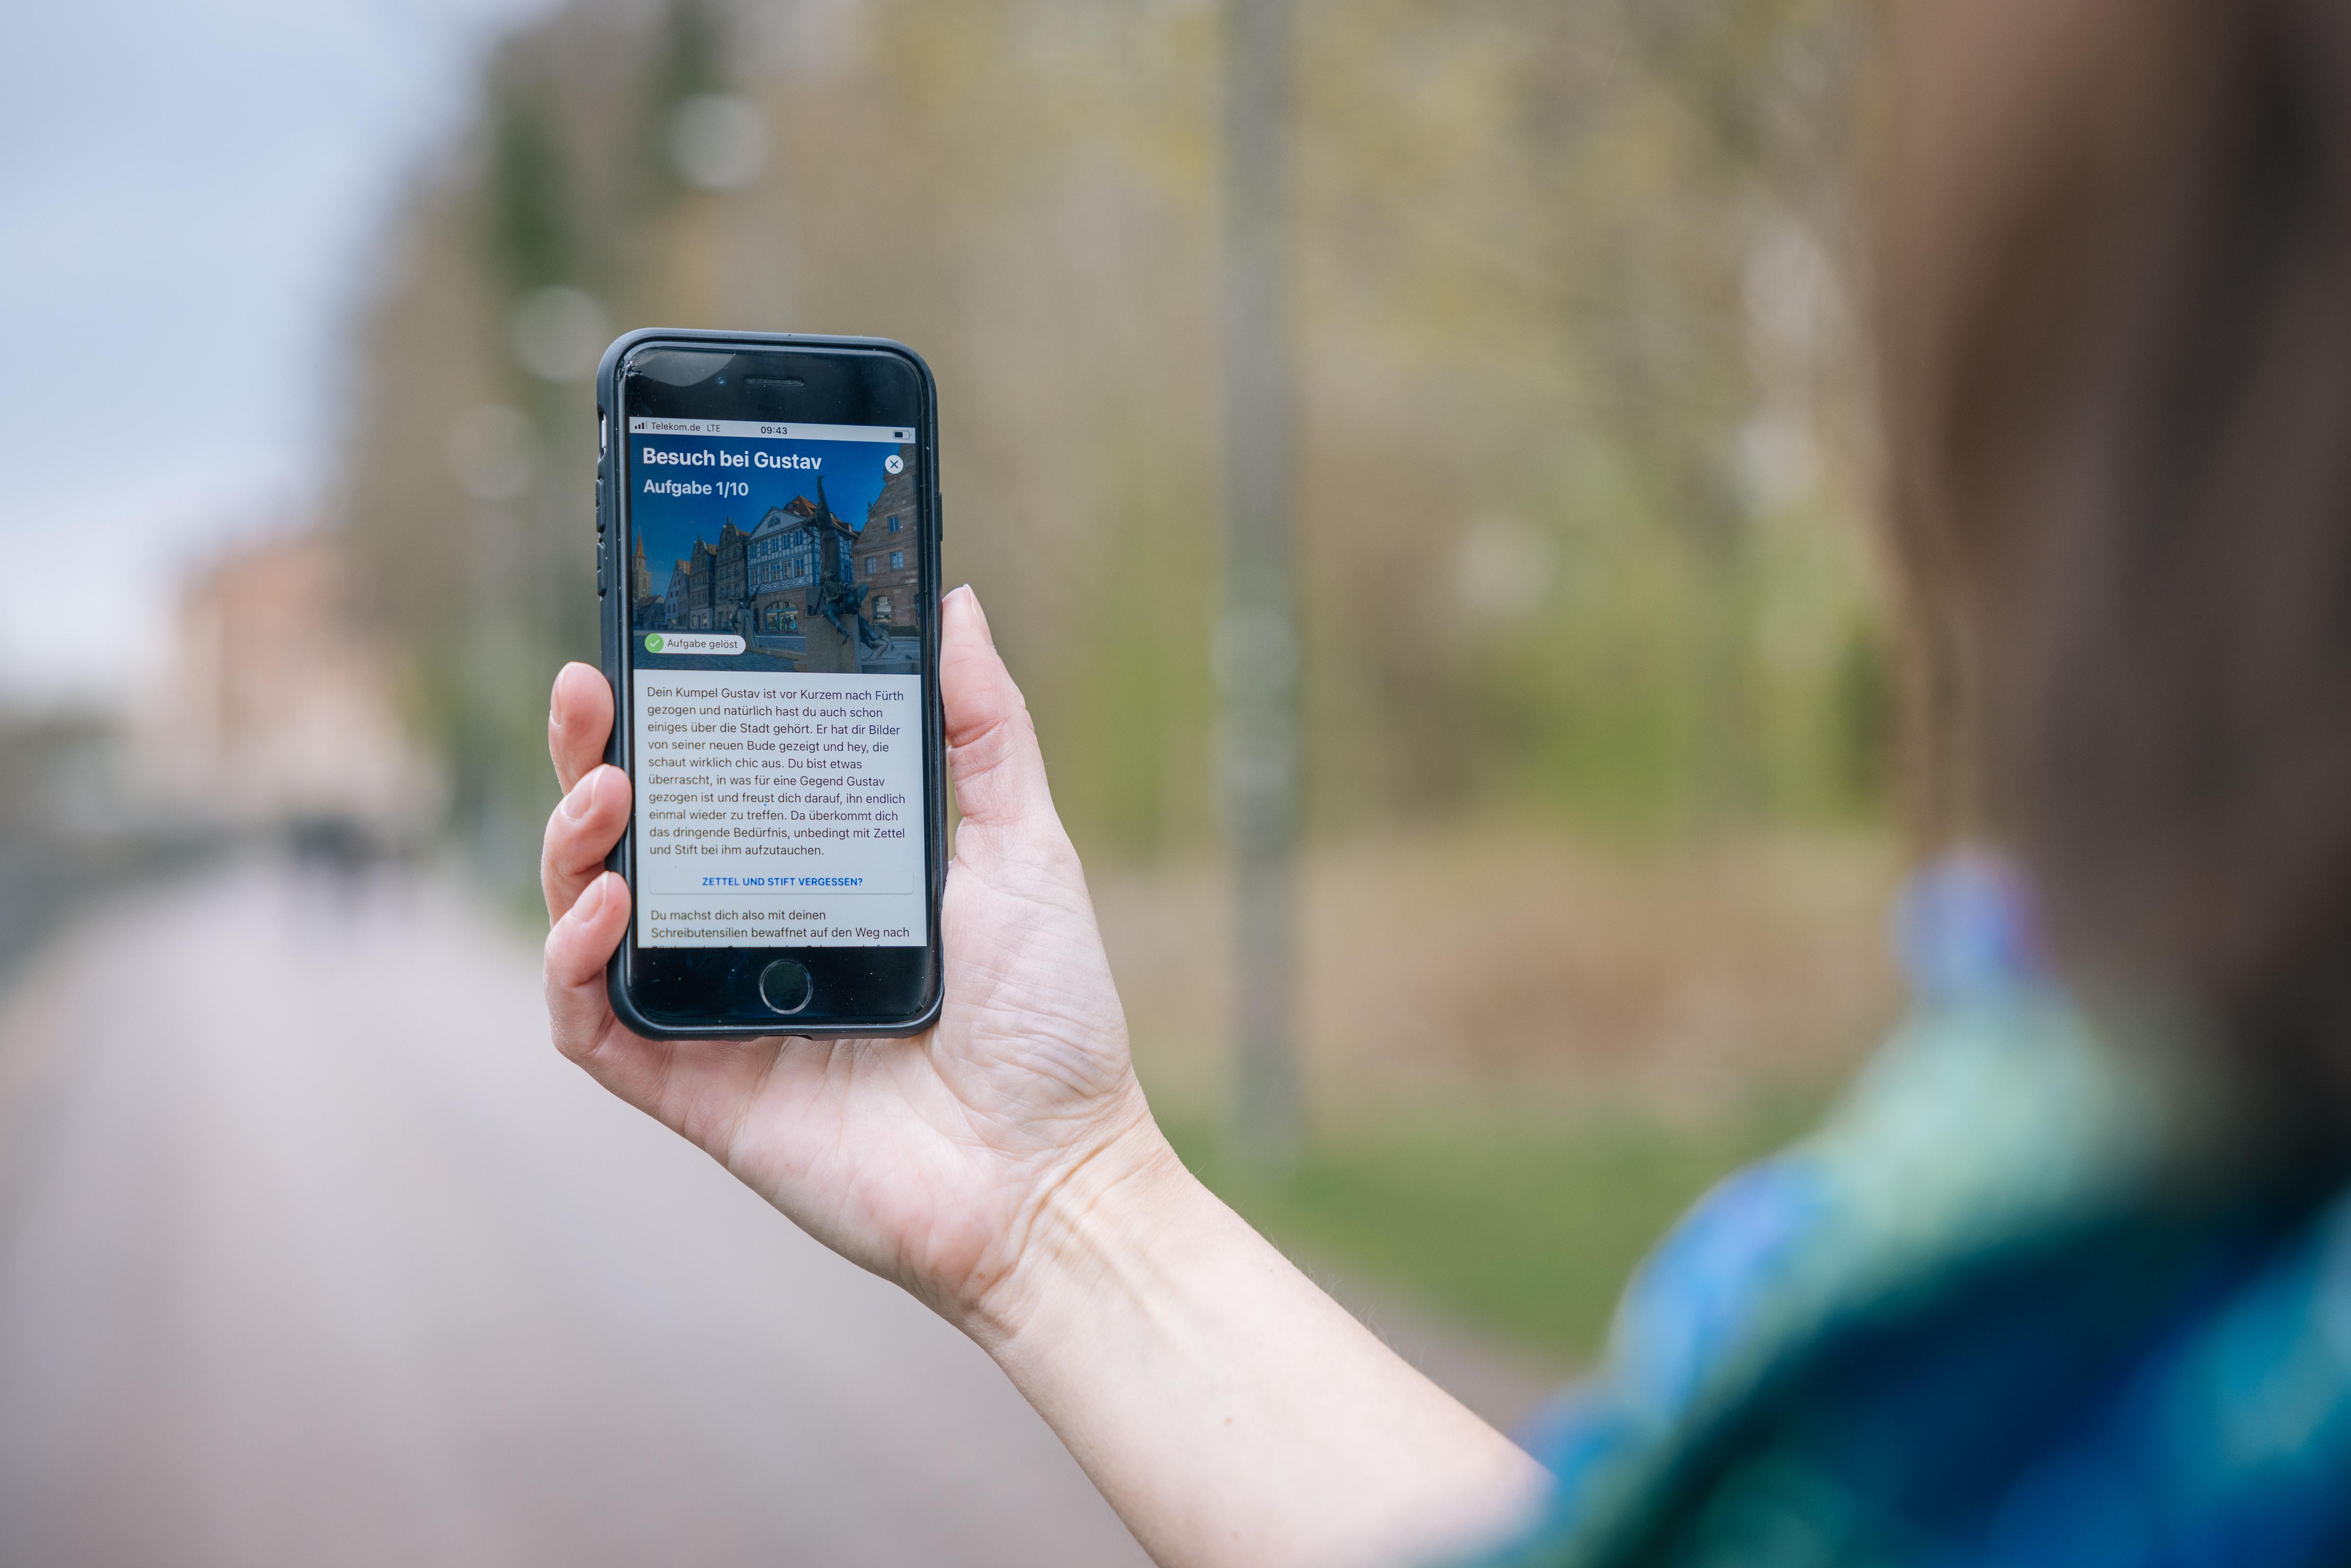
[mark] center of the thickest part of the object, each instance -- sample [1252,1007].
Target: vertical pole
[1256,650]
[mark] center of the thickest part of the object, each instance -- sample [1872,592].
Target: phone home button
[784,986]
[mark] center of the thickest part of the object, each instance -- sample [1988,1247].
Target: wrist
[1231,1411]
[1096,1231]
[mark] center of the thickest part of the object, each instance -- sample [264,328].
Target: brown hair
[2116,297]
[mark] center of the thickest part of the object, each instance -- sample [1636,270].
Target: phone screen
[775,661]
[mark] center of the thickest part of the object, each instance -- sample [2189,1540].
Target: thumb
[999,774]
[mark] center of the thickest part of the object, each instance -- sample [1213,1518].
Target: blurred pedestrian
[2067,1277]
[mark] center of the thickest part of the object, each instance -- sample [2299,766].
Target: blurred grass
[1523,1225]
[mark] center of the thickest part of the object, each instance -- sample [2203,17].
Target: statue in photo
[833,618]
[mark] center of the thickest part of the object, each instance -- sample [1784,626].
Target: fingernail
[967,591]
[582,795]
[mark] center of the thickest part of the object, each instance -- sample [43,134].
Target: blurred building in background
[278,707]
[69,823]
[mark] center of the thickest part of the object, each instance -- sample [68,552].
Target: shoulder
[1992,1118]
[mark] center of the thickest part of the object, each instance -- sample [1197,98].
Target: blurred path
[313,1252]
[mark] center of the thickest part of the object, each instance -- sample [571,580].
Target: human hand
[928,1160]
[1004,1167]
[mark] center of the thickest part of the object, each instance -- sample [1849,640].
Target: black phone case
[612,610]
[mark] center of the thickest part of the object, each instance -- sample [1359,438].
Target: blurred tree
[1577,236]
[529,237]
[1583,459]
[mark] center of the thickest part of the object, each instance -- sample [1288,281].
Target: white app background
[778,810]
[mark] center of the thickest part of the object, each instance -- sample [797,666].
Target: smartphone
[768,563]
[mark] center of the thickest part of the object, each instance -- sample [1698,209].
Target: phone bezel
[908,982]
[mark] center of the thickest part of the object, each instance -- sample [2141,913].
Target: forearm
[1231,1411]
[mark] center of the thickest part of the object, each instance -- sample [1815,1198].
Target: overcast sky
[191,192]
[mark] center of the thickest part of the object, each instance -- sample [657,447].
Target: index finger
[578,722]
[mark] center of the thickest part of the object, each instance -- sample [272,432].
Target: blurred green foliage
[1584,461]
[1515,1223]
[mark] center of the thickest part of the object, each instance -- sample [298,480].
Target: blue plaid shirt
[1977,1319]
